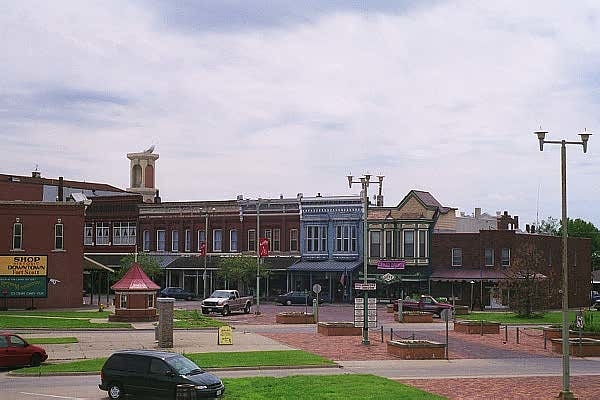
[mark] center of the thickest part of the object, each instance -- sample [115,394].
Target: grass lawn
[193,319]
[205,360]
[52,340]
[61,314]
[550,318]
[14,321]
[329,387]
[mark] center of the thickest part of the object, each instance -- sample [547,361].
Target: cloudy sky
[263,98]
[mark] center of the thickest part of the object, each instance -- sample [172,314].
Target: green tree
[148,263]
[241,270]
[549,226]
[581,228]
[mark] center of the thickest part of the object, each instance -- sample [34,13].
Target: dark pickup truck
[426,303]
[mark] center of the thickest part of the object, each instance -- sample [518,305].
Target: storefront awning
[325,266]
[91,264]
[466,274]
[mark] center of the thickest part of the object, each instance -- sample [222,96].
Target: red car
[16,352]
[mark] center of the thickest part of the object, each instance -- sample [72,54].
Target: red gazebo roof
[135,279]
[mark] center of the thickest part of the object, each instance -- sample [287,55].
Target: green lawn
[193,319]
[205,360]
[14,321]
[322,387]
[61,314]
[52,340]
[550,318]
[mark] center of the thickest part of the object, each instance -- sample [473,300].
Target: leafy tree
[241,270]
[549,226]
[532,284]
[148,263]
[580,228]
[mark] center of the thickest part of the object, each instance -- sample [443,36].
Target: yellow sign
[225,335]
[24,265]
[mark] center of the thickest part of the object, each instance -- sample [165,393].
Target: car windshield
[221,294]
[183,366]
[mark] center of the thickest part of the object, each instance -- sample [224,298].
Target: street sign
[359,312]
[579,321]
[365,286]
[316,288]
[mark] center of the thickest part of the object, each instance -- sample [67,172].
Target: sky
[270,98]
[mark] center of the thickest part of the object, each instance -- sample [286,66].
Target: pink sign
[390,264]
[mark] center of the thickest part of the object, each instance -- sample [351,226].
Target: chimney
[319,194]
[61,187]
[477,212]
[281,197]
[527,228]
[36,174]
[157,198]
[516,221]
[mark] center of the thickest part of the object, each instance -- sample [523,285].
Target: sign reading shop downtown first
[23,276]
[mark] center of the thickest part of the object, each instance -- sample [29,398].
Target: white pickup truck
[225,302]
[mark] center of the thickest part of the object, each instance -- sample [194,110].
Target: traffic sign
[365,286]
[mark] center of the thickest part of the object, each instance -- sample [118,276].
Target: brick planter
[476,327]
[389,308]
[416,349]
[588,348]
[556,333]
[294,318]
[411,316]
[338,329]
[461,310]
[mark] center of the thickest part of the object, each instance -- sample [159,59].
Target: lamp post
[472,283]
[204,274]
[566,391]
[257,312]
[364,181]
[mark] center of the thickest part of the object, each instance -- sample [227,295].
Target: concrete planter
[477,327]
[415,316]
[416,349]
[294,318]
[587,348]
[338,329]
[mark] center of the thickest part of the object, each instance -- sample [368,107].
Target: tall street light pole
[566,391]
[204,274]
[364,181]
[257,312]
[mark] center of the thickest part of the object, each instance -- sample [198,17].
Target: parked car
[594,298]
[426,303]
[152,373]
[16,352]
[297,297]
[225,302]
[177,293]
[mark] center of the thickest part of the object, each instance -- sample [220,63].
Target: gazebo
[135,297]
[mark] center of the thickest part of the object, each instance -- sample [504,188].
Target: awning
[325,266]
[90,264]
[466,274]
[212,262]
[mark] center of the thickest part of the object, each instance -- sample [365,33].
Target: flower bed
[415,316]
[294,318]
[587,348]
[416,349]
[338,329]
[477,327]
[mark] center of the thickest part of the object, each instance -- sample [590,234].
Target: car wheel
[247,309]
[35,360]
[205,312]
[115,391]
[288,302]
[188,298]
[225,311]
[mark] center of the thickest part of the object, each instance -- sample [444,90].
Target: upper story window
[409,243]
[102,233]
[17,243]
[345,239]
[316,239]
[161,237]
[174,241]
[217,239]
[456,257]
[276,239]
[201,239]
[505,257]
[269,237]
[375,244]
[251,240]
[293,239]
[388,247]
[58,237]
[422,243]
[88,234]
[188,240]
[146,243]
[124,233]
[489,257]
[233,241]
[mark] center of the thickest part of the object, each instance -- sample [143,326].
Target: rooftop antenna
[537,208]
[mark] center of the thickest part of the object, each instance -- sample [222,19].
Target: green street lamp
[541,135]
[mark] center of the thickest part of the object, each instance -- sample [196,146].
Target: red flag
[263,247]
[202,249]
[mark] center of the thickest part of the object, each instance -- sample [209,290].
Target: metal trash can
[185,392]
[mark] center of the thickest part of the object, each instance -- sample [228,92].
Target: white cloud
[442,98]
